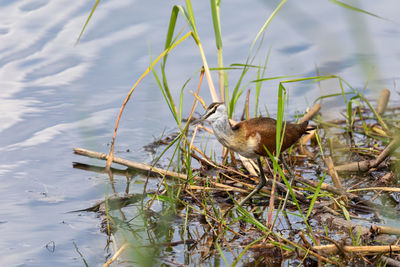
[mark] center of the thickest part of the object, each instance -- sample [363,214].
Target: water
[55,96]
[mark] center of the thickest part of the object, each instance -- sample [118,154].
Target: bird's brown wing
[266,129]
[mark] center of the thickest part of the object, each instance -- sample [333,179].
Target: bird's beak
[202,118]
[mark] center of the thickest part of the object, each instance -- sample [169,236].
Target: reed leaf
[353,8]
[87,21]
[264,27]
[218,39]
[171,28]
[315,196]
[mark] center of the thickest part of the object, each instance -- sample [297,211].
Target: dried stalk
[332,249]
[383,101]
[311,113]
[380,229]
[332,172]
[116,255]
[128,163]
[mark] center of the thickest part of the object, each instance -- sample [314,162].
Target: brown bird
[251,137]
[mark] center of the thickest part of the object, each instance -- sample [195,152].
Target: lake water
[54,96]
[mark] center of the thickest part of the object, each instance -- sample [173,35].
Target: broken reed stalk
[383,101]
[380,229]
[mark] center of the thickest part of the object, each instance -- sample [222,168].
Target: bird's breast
[238,140]
[246,147]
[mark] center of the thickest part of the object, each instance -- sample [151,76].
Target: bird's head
[214,111]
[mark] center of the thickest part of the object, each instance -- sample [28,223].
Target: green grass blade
[245,250]
[163,91]
[171,29]
[289,187]
[190,17]
[279,118]
[314,78]
[332,95]
[264,27]
[378,117]
[353,8]
[221,253]
[245,65]
[218,40]
[314,198]
[87,21]
[271,78]
[216,22]
[236,93]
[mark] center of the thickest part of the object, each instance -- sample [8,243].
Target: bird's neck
[223,130]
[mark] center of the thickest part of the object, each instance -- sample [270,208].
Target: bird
[251,138]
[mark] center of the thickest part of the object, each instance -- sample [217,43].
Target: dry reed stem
[218,187]
[332,249]
[210,82]
[332,172]
[306,251]
[199,99]
[128,163]
[380,229]
[311,113]
[194,107]
[387,189]
[116,255]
